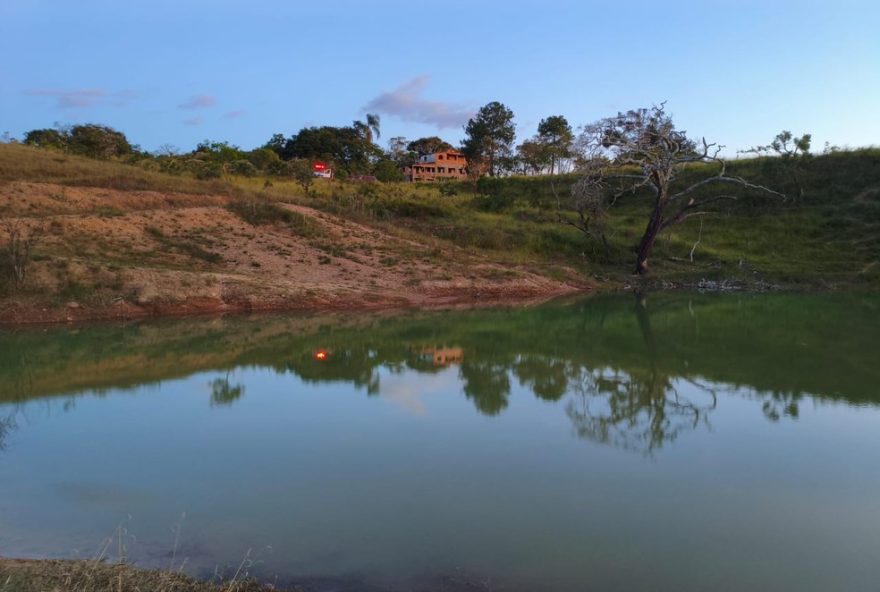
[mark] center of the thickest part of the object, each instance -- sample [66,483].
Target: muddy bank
[35,312]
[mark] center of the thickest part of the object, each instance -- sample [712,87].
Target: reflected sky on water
[669,442]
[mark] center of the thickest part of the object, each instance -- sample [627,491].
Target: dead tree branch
[19,243]
[647,141]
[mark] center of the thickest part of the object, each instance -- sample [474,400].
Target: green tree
[533,156]
[792,150]
[489,137]
[92,140]
[387,171]
[344,146]
[556,136]
[97,141]
[428,145]
[222,152]
[276,144]
[264,159]
[787,145]
[46,138]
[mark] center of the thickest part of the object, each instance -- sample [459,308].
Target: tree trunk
[647,242]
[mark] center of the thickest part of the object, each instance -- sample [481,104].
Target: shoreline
[16,315]
[24,314]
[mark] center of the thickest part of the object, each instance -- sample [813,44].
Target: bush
[491,203]
[209,170]
[448,188]
[243,168]
[387,171]
[94,141]
[98,141]
[264,159]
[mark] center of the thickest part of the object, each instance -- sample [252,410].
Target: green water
[673,442]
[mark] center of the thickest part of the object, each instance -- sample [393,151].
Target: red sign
[319,166]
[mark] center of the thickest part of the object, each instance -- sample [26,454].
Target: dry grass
[106,573]
[25,163]
[133,252]
[18,575]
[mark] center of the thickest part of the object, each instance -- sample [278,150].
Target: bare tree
[167,150]
[19,242]
[645,150]
[588,198]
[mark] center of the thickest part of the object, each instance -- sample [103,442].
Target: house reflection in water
[442,356]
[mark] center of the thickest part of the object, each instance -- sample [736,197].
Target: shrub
[387,171]
[448,188]
[243,168]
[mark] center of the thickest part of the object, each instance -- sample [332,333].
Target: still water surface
[674,442]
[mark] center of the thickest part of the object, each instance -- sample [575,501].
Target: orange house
[447,164]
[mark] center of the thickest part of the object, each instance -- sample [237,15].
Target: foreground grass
[99,576]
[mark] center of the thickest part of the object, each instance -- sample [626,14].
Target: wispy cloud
[193,121]
[235,114]
[82,98]
[198,102]
[406,102]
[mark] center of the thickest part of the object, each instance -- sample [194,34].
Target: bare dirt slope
[104,253]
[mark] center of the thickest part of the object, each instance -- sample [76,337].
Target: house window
[440,157]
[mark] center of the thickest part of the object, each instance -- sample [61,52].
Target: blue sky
[179,72]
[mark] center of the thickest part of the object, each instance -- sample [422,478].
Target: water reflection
[640,410]
[498,441]
[7,424]
[635,372]
[223,392]
[636,412]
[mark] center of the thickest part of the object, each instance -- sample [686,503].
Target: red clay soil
[107,254]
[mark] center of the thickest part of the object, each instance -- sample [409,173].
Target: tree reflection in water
[7,424]
[621,375]
[635,412]
[639,410]
[224,393]
[487,384]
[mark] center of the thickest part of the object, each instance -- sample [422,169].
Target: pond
[663,442]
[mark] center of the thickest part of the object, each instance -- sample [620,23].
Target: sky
[179,72]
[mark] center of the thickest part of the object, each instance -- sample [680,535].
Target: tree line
[349,150]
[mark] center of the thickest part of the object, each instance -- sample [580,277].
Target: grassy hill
[115,234]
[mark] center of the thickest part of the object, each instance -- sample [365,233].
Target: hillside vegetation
[116,236]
